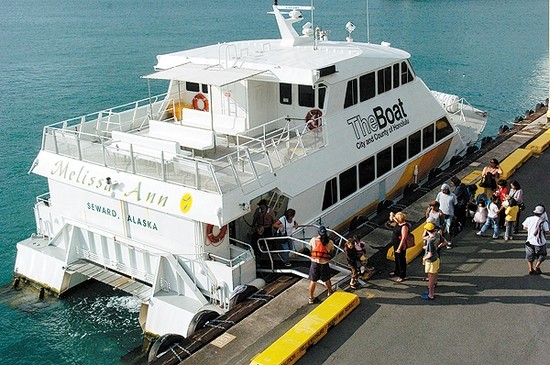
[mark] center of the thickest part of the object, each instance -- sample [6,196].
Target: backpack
[409,241]
[488,181]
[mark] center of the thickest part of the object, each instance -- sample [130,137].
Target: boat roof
[225,63]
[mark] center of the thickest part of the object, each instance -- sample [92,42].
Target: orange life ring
[200,97]
[215,238]
[314,119]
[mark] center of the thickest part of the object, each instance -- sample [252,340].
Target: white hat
[539,209]
[445,187]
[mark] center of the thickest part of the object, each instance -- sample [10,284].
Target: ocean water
[61,59]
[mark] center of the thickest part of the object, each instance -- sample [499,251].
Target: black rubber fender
[503,129]
[200,319]
[384,204]
[485,141]
[454,160]
[471,150]
[434,173]
[163,343]
[409,189]
[240,293]
[357,221]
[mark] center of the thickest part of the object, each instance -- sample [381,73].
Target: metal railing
[298,245]
[256,152]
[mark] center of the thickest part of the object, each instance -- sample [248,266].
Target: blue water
[60,59]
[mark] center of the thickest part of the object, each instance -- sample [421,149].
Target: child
[493,211]
[510,219]
[353,259]
[362,254]
[480,216]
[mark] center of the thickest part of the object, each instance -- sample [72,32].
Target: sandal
[311,301]
[425,296]
[392,273]
[399,280]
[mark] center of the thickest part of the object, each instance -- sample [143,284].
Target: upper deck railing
[244,159]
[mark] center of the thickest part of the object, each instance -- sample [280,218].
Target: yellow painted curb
[308,331]
[514,161]
[540,143]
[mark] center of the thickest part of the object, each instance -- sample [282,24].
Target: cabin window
[366,171]
[331,194]
[384,80]
[348,182]
[322,92]
[442,129]
[428,136]
[351,93]
[285,94]
[367,86]
[396,75]
[306,96]
[383,162]
[414,144]
[204,88]
[400,152]
[192,86]
[406,73]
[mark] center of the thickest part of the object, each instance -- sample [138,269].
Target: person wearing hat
[322,249]
[535,247]
[433,212]
[447,202]
[431,259]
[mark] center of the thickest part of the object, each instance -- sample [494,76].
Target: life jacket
[320,251]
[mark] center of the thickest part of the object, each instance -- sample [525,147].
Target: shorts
[319,272]
[533,252]
[432,267]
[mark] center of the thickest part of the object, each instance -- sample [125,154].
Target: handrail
[270,252]
[256,152]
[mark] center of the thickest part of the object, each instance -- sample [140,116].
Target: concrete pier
[487,310]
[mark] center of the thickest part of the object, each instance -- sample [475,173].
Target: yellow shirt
[511,213]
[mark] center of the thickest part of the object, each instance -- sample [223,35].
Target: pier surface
[487,310]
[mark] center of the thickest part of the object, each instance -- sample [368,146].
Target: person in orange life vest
[322,249]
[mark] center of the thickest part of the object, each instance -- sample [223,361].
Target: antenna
[313,24]
[368,26]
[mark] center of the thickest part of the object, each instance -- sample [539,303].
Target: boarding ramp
[111,278]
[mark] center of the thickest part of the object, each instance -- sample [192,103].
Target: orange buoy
[200,102]
[215,238]
[314,119]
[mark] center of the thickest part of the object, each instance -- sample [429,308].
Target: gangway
[111,278]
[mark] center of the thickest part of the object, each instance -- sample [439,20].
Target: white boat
[156,197]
